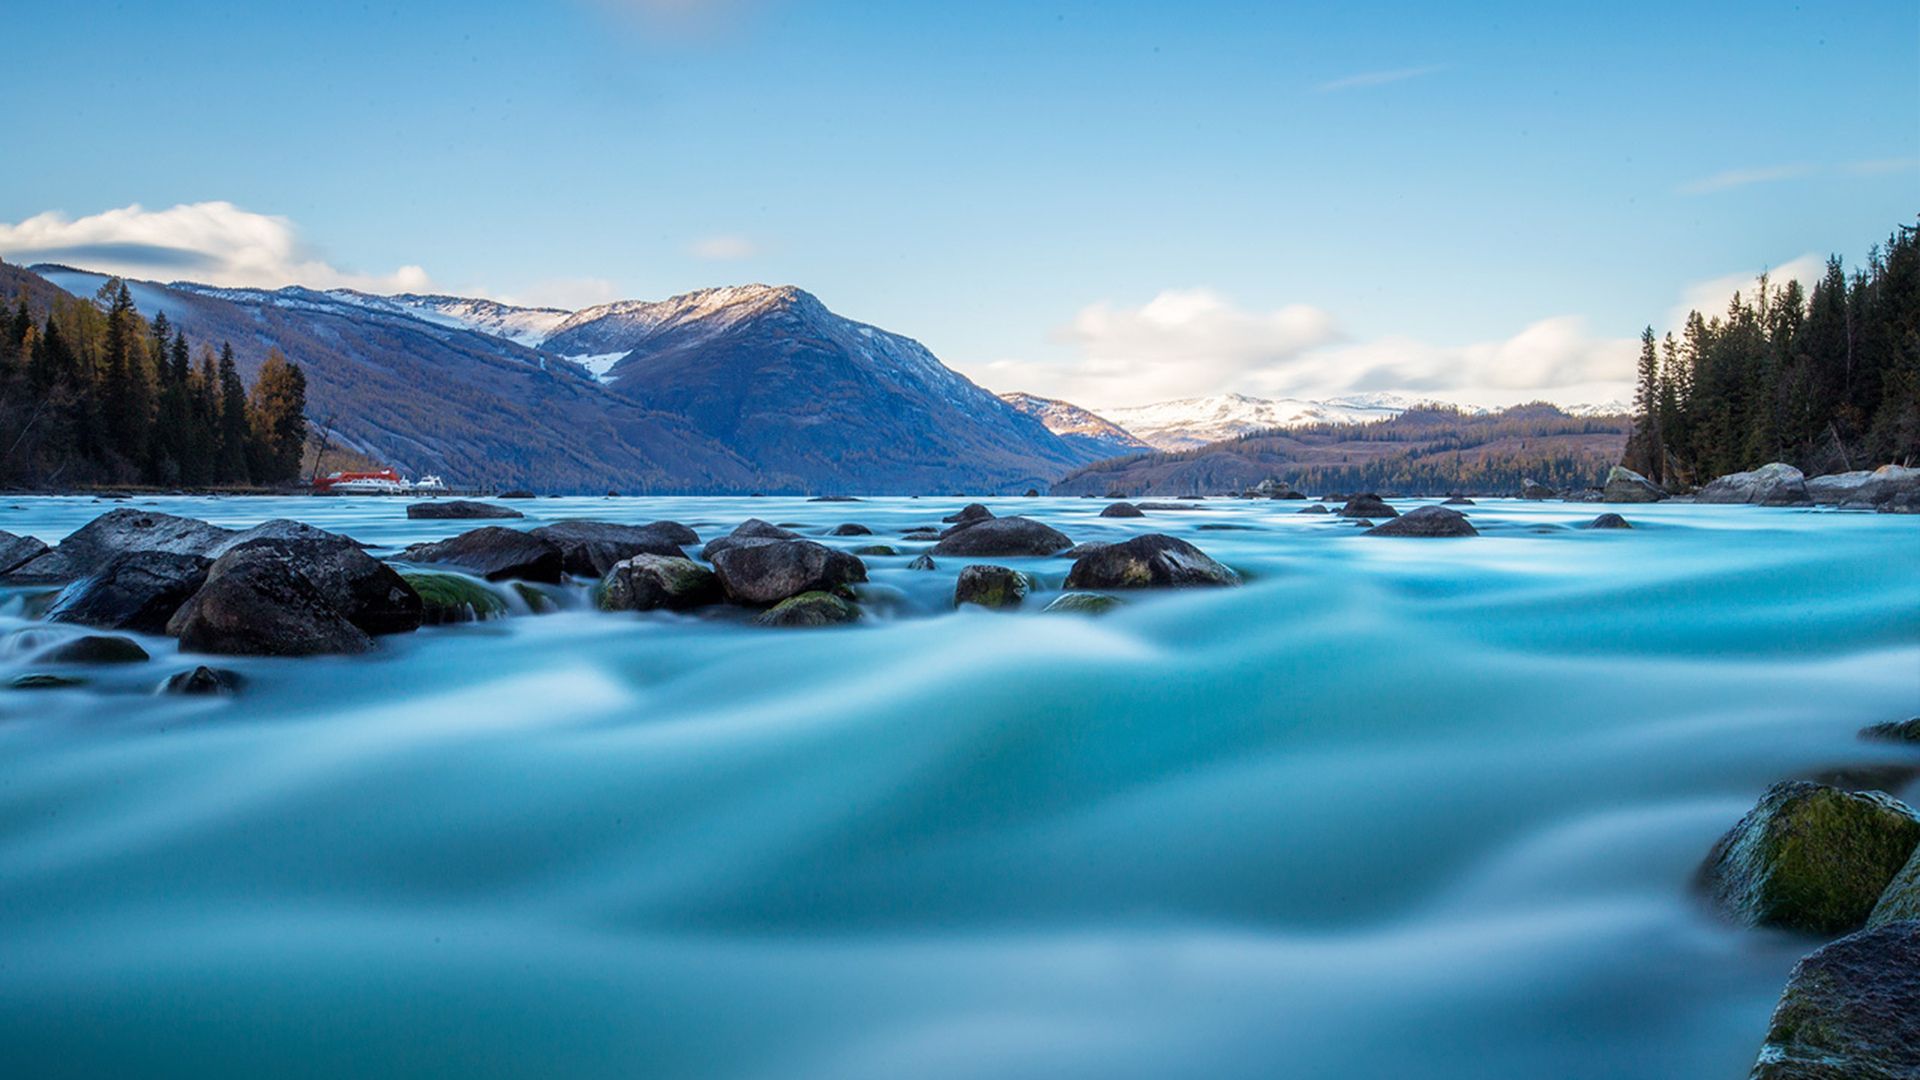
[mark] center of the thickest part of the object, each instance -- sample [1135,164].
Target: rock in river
[203,680]
[453,598]
[371,594]
[116,533]
[1002,538]
[1626,486]
[651,582]
[1121,510]
[1367,506]
[1427,521]
[1152,561]
[1900,900]
[1810,858]
[591,548]
[1777,484]
[809,609]
[138,591]
[257,602]
[991,587]
[494,553]
[1851,1011]
[1608,521]
[969,513]
[95,649]
[769,571]
[750,531]
[16,550]
[1083,603]
[459,509]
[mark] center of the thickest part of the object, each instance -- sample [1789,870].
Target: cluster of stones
[1890,489]
[1817,859]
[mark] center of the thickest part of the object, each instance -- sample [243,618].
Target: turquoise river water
[1397,809]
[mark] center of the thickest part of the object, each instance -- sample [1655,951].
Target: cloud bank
[214,243]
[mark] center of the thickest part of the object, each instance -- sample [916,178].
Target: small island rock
[458,510]
[991,587]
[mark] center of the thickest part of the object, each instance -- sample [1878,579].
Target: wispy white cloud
[215,243]
[1711,297]
[1737,178]
[1377,78]
[723,248]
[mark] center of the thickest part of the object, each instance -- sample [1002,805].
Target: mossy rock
[44,681]
[648,582]
[995,588]
[1850,1011]
[809,609]
[875,549]
[451,598]
[1084,603]
[1811,858]
[538,602]
[1900,901]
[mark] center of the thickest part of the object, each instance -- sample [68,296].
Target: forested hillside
[93,393]
[1826,381]
[1430,450]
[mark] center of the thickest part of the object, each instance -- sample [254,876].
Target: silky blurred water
[1398,808]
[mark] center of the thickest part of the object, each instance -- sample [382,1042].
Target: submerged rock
[922,562]
[1626,486]
[591,548]
[256,602]
[203,680]
[809,609]
[1608,521]
[459,509]
[1427,521]
[1850,1011]
[1777,484]
[651,582]
[1906,731]
[875,549]
[1121,510]
[1003,537]
[95,649]
[1081,603]
[991,587]
[1458,500]
[451,598]
[1810,858]
[1367,506]
[1152,561]
[40,680]
[1316,508]
[137,591]
[769,571]
[494,553]
[850,529]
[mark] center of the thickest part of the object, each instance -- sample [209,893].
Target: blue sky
[1118,202]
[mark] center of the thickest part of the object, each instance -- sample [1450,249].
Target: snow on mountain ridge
[1191,422]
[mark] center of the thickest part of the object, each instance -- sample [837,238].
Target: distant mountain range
[733,389]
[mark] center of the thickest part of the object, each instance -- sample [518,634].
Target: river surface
[1397,809]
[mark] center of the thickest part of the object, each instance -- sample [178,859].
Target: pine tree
[278,418]
[1646,450]
[235,432]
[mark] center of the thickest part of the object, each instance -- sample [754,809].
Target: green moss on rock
[1850,1011]
[451,598]
[995,588]
[1811,858]
[809,609]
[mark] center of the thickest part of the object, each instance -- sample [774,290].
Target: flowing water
[1397,809]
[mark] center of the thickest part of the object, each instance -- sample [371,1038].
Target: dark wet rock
[922,562]
[40,680]
[1152,561]
[1583,495]
[1082,603]
[1222,527]
[203,680]
[809,609]
[1534,490]
[1032,493]
[1367,506]
[1906,731]
[750,531]
[137,591]
[591,548]
[1361,523]
[1316,508]
[1168,505]
[494,553]
[1273,488]
[1900,901]
[1080,551]
[447,599]
[1850,1011]
[1906,502]
[1002,538]
[257,602]
[1121,510]
[1864,489]
[116,533]
[16,550]
[459,509]
[1458,500]
[1778,484]
[1626,486]
[850,529]
[769,571]
[516,493]
[95,649]
[875,549]
[1432,521]
[833,498]
[991,587]
[1608,521]
[371,594]
[1810,858]
[969,513]
[652,582]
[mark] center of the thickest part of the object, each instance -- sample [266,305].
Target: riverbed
[1396,808]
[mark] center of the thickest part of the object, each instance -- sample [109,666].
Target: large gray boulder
[1777,484]
[256,602]
[459,510]
[494,553]
[1152,561]
[752,530]
[1367,506]
[16,550]
[1003,537]
[652,582]
[1850,1011]
[591,548]
[369,593]
[992,587]
[1426,521]
[1863,489]
[118,532]
[767,571]
[138,591]
[1810,857]
[1626,486]
[1535,491]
